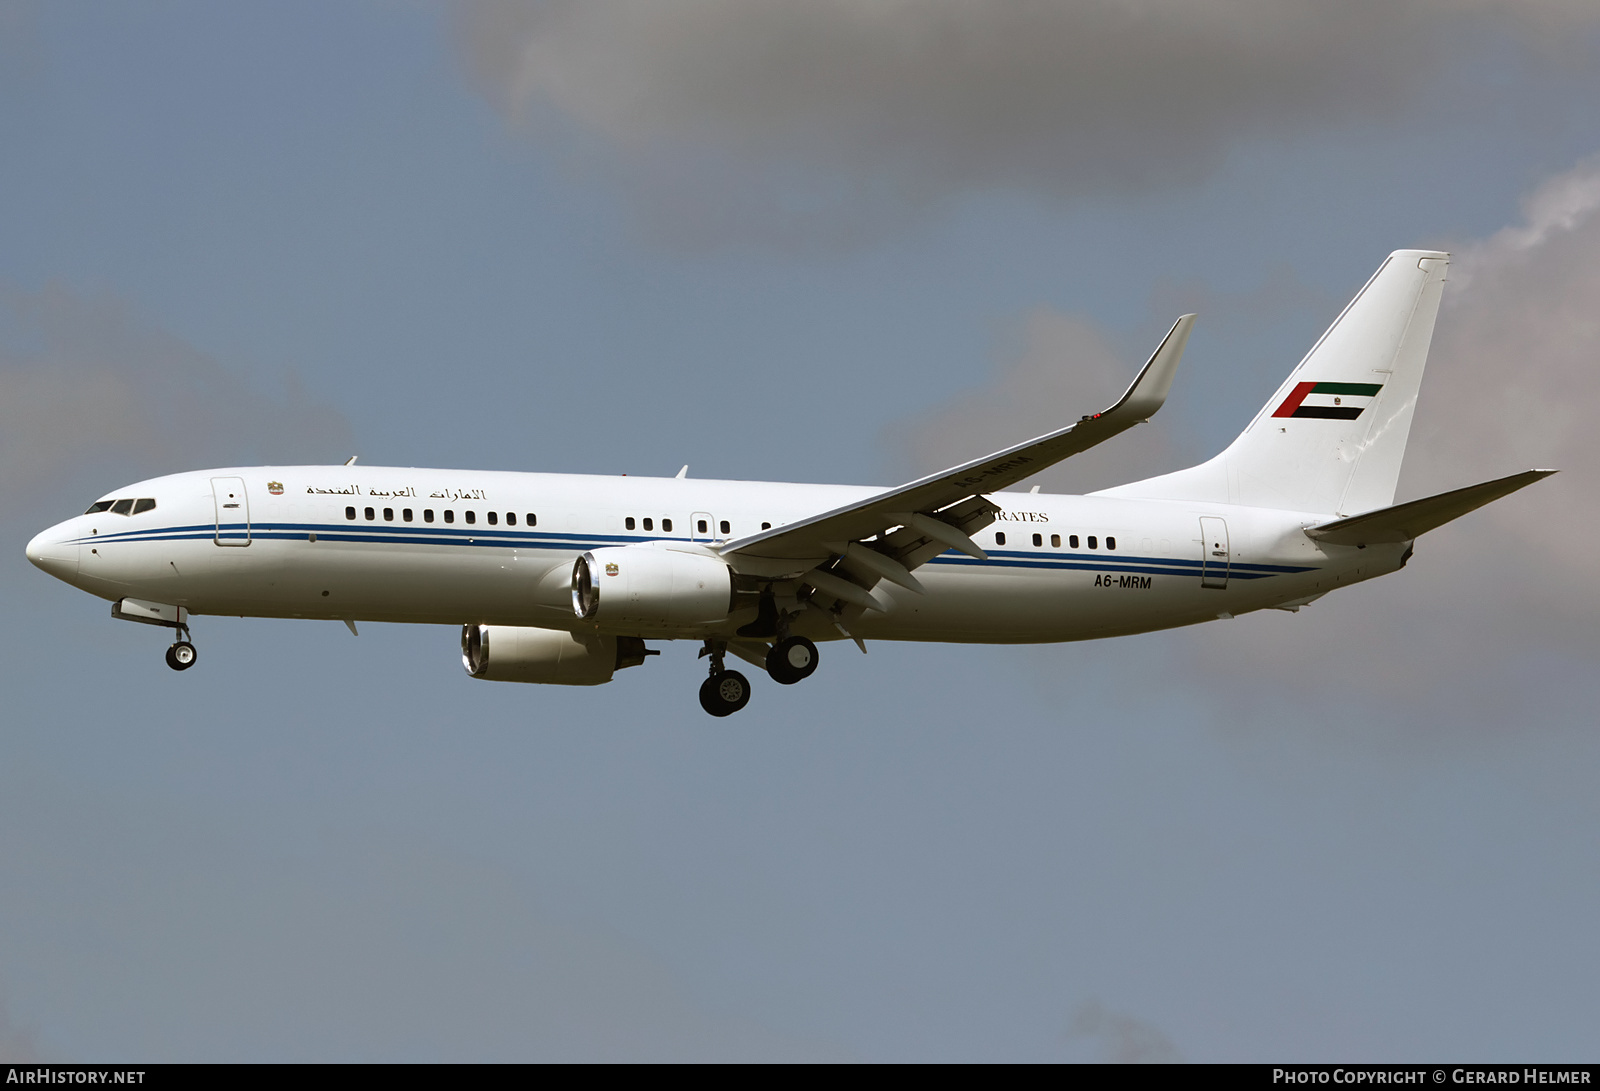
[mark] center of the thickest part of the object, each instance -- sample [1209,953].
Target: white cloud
[1511,385]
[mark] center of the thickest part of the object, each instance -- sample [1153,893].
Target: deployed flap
[807,540]
[1404,522]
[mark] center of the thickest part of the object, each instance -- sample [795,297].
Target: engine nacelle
[511,653]
[651,585]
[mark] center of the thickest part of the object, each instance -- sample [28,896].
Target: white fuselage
[497,548]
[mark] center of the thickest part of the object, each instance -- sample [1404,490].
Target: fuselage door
[702,528]
[233,511]
[1213,552]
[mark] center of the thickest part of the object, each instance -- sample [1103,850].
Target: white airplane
[562,578]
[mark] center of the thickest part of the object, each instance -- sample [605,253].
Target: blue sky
[830,242]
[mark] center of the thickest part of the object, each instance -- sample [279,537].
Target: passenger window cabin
[999,537]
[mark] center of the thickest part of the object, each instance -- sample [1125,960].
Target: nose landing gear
[181,656]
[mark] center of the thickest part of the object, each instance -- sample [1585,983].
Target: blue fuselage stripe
[539,539]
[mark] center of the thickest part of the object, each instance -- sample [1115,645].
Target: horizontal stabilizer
[1404,522]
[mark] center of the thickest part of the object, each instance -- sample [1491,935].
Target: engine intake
[651,585]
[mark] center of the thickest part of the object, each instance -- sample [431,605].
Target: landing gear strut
[724,692]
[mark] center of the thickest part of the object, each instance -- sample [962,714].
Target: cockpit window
[126,506]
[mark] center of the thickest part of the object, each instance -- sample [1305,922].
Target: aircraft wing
[941,511]
[1403,522]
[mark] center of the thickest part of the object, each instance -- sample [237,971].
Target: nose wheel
[181,656]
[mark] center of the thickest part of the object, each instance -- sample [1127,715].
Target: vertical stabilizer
[1333,436]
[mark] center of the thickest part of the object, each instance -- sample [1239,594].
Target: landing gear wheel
[725,693]
[791,660]
[181,656]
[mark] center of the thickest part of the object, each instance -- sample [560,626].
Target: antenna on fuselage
[683,473]
[351,461]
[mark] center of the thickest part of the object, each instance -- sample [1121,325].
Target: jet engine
[510,653]
[651,585]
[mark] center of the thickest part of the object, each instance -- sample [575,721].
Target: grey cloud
[1123,1039]
[86,381]
[749,114]
[1053,368]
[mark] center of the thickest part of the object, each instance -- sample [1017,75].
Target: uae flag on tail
[1329,401]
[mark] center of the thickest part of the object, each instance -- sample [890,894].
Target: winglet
[1148,392]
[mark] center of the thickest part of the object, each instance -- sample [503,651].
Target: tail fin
[1332,438]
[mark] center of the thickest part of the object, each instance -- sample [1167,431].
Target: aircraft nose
[49,552]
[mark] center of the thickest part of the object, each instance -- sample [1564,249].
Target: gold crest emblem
[275,488]
[611,568]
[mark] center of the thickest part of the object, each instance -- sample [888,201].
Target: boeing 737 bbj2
[563,578]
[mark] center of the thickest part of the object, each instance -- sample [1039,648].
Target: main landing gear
[792,660]
[724,692]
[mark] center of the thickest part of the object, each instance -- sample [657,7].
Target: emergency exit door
[233,511]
